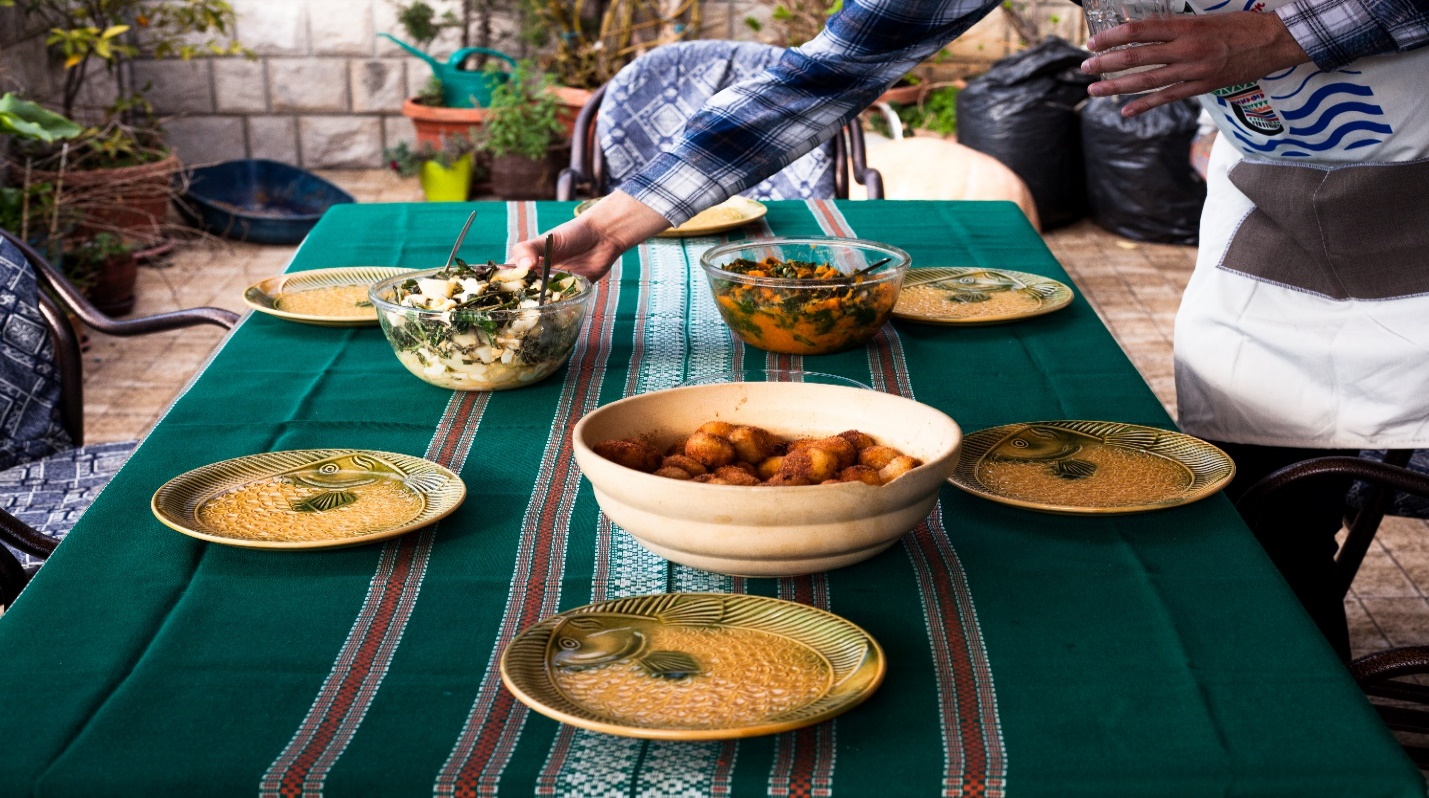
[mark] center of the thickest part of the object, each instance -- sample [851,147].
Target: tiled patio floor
[1135,287]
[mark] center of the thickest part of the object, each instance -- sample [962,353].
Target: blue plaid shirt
[1336,32]
[755,128]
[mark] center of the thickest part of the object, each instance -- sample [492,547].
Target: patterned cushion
[1404,504]
[29,379]
[51,494]
[648,102]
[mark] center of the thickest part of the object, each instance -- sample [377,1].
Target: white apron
[1306,321]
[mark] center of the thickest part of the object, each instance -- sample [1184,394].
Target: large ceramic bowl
[807,317]
[472,350]
[768,531]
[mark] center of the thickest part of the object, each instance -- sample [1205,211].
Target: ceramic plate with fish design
[308,499]
[734,212]
[1090,467]
[325,297]
[972,295]
[693,666]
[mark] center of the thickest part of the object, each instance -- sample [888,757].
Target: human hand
[590,243]
[1199,54]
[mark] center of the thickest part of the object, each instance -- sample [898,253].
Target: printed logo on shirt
[1251,108]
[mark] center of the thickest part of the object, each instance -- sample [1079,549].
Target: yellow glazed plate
[734,212]
[693,666]
[308,499]
[972,295]
[325,297]
[1090,467]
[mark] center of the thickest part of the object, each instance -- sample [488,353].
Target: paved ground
[1135,288]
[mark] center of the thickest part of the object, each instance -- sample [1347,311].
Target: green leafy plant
[84,264]
[796,21]
[113,31]
[27,120]
[588,42]
[431,93]
[407,161]
[421,24]
[936,112]
[521,119]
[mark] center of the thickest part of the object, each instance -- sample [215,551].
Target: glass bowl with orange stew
[805,296]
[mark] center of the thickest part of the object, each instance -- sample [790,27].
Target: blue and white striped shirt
[755,128]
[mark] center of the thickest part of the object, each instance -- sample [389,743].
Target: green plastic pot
[447,183]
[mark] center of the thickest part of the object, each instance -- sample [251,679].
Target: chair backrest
[31,425]
[648,102]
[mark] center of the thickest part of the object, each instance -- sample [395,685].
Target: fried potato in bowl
[778,529]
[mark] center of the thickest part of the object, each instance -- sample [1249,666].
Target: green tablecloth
[1029,654]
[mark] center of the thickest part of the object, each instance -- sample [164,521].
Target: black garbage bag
[1139,177]
[1023,113]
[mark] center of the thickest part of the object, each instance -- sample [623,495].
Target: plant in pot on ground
[524,136]
[447,173]
[119,172]
[104,268]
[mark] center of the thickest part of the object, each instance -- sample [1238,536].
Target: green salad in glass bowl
[482,328]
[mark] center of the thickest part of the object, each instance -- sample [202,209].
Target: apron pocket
[1354,232]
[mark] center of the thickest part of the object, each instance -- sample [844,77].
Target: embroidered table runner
[1029,655]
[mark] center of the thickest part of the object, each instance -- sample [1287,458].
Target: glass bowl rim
[902,261]
[387,306]
[706,378]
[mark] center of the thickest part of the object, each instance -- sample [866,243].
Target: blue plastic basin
[265,202]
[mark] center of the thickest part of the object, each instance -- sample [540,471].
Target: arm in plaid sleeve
[1337,32]
[755,128]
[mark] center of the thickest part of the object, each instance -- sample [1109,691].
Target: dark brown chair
[587,173]
[1381,674]
[56,299]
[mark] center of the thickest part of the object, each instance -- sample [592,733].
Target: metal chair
[642,110]
[1381,486]
[49,476]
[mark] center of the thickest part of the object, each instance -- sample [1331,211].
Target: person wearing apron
[1305,327]
[1304,331]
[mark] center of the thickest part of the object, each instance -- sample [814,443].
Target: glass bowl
[481,350]
[807,317]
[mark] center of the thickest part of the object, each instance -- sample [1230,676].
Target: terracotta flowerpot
[132,201]
[572,101]
[113,290]
[433,122]
[516,177]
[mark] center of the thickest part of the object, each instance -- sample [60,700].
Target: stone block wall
[324,91]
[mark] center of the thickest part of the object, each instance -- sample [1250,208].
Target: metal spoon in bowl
[545,272]
[460,239]
[867,269]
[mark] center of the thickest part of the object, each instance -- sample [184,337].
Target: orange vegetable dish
[803,319]
[721,453]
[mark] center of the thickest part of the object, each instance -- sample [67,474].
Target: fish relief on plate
[1090,465]
[693,665]
[307,497]
[972,294]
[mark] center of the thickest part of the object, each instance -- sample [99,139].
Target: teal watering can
[461,88]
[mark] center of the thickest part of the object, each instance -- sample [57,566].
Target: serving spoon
[545,272]
[460,239]
[867,269]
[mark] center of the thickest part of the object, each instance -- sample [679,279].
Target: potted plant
[103,267]
[524,136]
[445,172]
[119,172]
[587,50]
[432,117]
